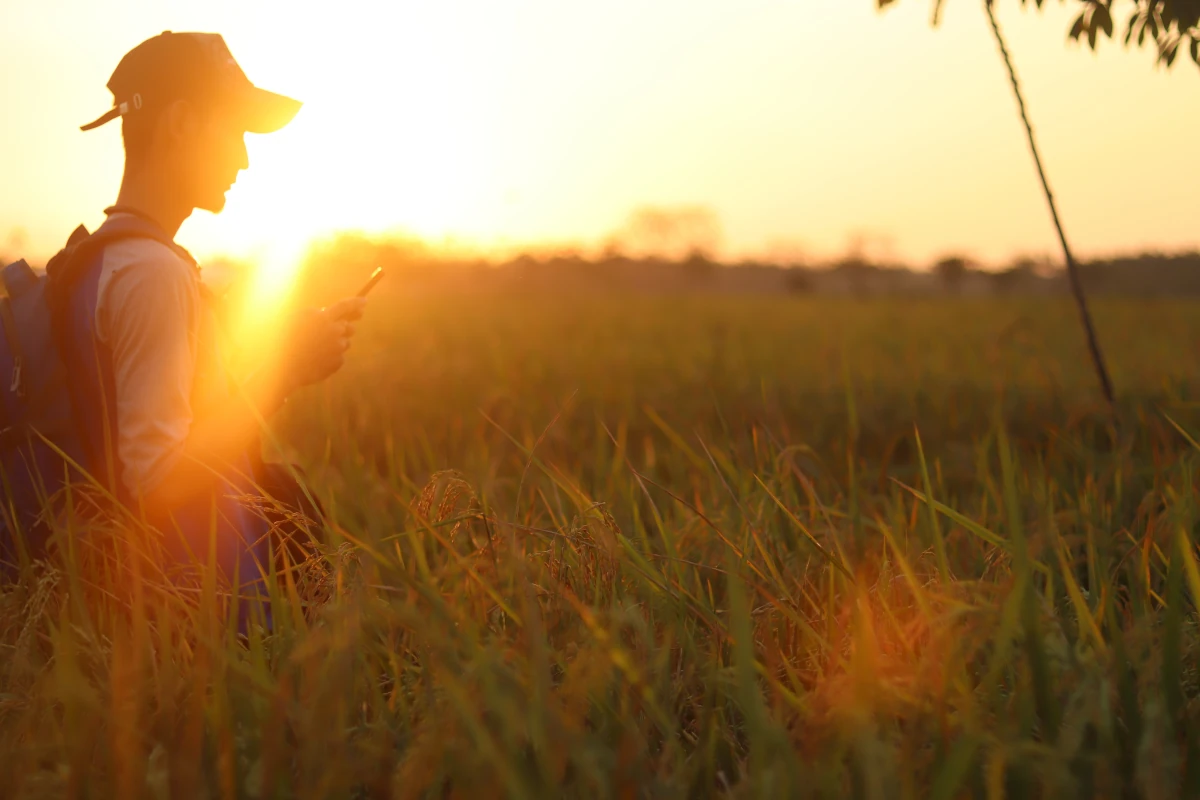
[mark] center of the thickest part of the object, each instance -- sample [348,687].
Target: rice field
[615,546]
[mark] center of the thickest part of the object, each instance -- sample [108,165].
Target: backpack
[41,445]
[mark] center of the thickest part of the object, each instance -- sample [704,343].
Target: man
[161,420]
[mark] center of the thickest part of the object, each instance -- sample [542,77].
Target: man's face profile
[210,152]
[201,149]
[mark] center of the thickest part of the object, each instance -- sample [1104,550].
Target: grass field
[676,547]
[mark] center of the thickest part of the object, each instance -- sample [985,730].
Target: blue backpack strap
[72,277]
[127,226]
[14,344]
[67,267]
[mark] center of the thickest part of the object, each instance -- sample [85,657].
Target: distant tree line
[341,263]
[347,258]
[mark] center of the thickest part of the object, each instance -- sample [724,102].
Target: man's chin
[214,204]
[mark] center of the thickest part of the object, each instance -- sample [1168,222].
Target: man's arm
[169,450]
[217,437]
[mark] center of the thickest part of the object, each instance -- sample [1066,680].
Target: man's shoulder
[142,279]
[152,265]
[140,253]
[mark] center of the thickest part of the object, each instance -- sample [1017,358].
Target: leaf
[968,524]
[795,521]
[1076,29]
[939,544]
[1104,18]
[748,692]
[1190,568]
[1171,644]
[1169,53]
[954,768]
[1127,712]
[1133,20]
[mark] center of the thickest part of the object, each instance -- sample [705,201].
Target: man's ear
[179,120]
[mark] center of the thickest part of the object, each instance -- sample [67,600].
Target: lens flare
[259,306]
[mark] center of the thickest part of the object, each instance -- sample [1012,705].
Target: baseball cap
[195,66]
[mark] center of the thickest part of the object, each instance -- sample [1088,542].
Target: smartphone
[370,284]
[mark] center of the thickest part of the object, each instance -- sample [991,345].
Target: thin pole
[1072,267]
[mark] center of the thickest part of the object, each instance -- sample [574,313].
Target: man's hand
[318,341]
[348,310]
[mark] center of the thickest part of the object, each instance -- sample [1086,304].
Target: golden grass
[676,547]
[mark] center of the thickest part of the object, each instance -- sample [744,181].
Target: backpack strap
[126,223]
[66,267]
[14,344]
[58,267]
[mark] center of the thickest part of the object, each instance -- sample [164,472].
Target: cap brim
[267,112]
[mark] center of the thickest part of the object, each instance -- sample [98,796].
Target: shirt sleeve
[150,312]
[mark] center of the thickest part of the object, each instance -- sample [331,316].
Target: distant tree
[799,280]
[698,267]
[1040,265]
[952,271]
[671,233]
[524,265]
[785,253]
[871,247]
[857,272]
[611,250]
[1169,25]
[566,268]
[1019,275]
[1146,274]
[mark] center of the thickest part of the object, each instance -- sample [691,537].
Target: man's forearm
[219,436]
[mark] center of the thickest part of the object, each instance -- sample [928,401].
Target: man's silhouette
[156,406]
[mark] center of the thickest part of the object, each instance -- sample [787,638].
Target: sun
[383,142]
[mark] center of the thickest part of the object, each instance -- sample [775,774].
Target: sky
[802,124]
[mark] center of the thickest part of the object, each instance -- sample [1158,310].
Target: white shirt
[155,318]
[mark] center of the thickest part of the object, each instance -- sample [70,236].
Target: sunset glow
[797,124]
[638,398]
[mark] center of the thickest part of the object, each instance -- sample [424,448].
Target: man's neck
[153,202]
